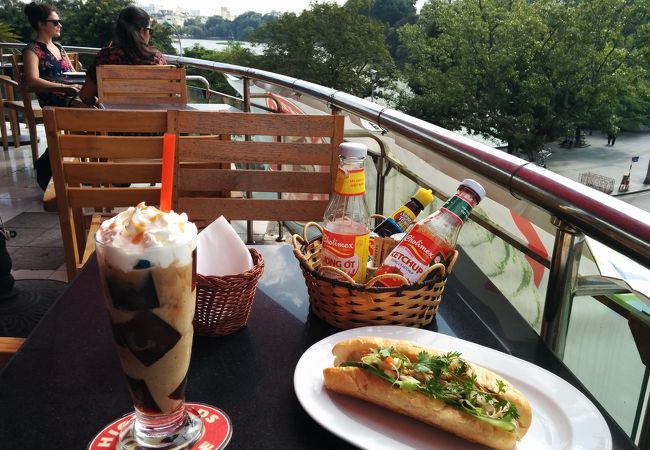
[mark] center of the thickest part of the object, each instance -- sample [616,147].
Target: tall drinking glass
[150,295]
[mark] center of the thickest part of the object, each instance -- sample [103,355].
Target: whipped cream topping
[145,232]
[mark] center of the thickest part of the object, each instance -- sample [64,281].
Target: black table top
[65,383]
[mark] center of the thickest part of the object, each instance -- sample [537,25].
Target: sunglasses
[56,23]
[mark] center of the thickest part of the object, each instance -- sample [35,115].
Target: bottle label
[347,252]
[415,253]
[404,217]
[459,206]
[350,182]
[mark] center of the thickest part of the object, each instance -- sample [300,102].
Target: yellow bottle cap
[424,196]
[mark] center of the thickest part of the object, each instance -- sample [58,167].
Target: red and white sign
[217,429]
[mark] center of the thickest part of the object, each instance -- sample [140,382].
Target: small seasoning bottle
[405,215]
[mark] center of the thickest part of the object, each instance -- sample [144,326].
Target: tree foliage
[393,14]
[235,53]
[327,45]
[12,14]
[526,72]
[216,27]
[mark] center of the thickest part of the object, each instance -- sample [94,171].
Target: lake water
[215,44]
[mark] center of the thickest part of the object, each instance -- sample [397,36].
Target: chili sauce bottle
[347,219]
[405,215]
[432,239]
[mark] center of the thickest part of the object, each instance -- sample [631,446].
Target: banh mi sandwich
[440,389]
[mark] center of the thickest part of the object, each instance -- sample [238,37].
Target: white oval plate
[563,418]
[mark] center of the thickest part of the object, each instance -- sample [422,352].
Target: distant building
[225,13]
[151,9]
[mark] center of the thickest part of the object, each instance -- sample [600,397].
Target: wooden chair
[74,59]
[8,100]
[32,110]
[94,152]
[9,346]
[290,140]
[141,84]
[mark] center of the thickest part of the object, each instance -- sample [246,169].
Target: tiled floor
[19,193]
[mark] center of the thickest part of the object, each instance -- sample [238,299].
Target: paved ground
[610,161]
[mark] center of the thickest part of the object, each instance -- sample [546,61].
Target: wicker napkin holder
[224,303]
[346,304]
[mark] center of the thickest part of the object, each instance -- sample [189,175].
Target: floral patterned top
[51,69]
[117,55]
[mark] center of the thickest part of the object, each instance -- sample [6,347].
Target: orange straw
[169,148]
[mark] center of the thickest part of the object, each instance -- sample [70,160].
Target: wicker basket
[345,304]
[223,304]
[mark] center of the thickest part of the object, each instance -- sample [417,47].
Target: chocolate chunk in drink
[138,294]
[142,264]
[179,392]
[142,398]
[147,336]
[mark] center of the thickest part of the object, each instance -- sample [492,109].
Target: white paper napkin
[220,251]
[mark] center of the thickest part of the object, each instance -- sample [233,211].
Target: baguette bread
[366,385]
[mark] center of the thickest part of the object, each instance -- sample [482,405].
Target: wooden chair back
[285,144]
[141,84]
[101,159]
[74,60]
[31,109]
[9,101]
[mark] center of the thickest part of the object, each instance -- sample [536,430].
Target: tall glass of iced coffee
[146,263]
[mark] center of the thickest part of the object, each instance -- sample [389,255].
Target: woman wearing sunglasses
[44,60]
[130,47]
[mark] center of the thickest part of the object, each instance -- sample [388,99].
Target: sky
[236,7]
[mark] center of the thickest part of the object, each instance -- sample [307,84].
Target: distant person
[130,47]
[611,135]
[44,62]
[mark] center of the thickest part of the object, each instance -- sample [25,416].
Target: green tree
[235,53]
[218,27]
[7,33]
[329,46]
[244,24]
[525,72]
[89,23]
[12,14]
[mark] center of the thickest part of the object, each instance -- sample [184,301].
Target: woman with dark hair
[44,60]
[131,47]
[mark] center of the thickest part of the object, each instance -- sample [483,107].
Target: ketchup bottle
[405,215]
[347,219]
[432,239]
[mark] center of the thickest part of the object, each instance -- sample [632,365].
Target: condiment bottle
[347,220]
[432,239]
[405,215]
